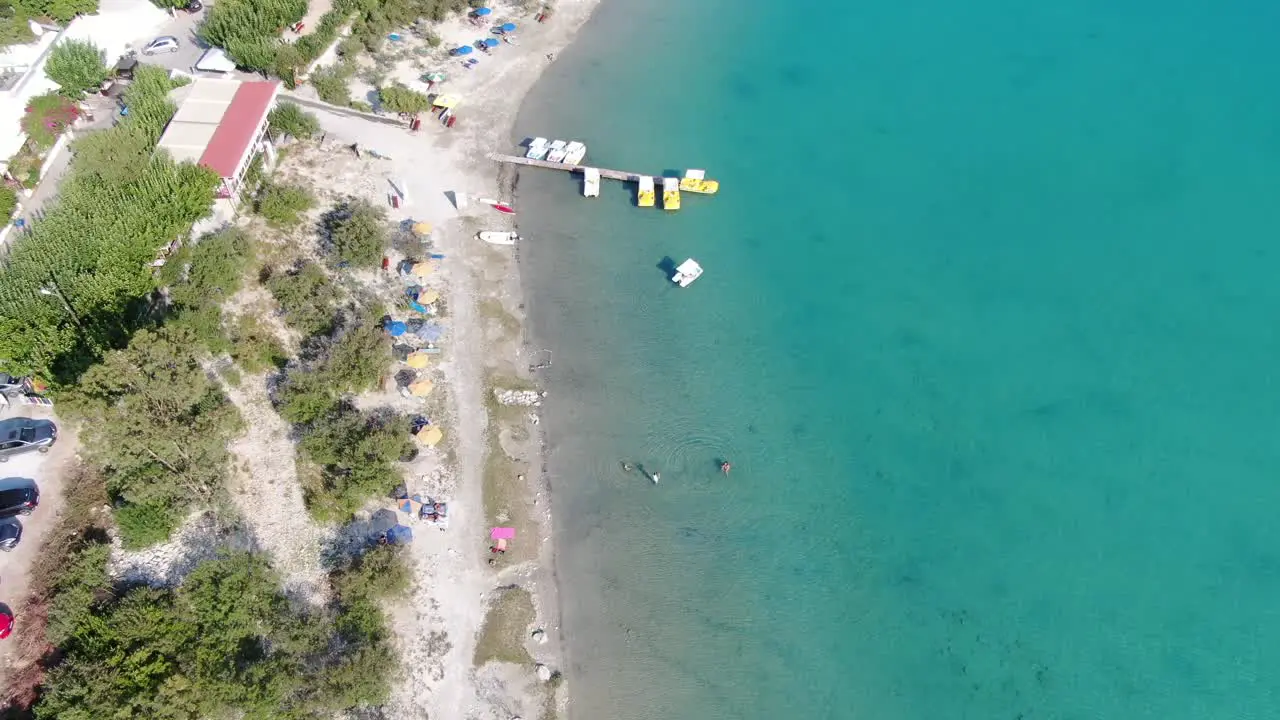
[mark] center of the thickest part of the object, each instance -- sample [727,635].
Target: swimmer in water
[725,467]
[656,477]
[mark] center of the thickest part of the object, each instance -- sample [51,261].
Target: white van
[215,60]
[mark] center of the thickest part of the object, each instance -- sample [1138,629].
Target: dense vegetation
[158,427]
[282,205]
[81,282]
[293,121]
[227,643]
[307,298]
[398,98]
[249,30]
[355,233]
[77,66]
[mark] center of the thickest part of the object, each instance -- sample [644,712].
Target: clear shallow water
[988,331]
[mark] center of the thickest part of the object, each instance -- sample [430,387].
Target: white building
[22,75]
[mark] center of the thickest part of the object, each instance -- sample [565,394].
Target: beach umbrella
[417,360]
[491,42]
[422,388]
[423,269]
[464,50]
[502,533]
[430,436]
[428,297]
[508,27]
[445,101]
[422,228]
[481,12]
[397,328]
[434,77]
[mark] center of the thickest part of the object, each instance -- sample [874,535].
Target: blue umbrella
[491,42]
[464,50]
[509,27]
[481,12]
[397,329]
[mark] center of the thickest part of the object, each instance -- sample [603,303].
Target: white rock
[539,637]
[544,672]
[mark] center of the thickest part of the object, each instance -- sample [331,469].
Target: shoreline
[498,462]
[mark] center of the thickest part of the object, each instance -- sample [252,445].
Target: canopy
[481,12]
[434,77]
[491,42]
[422,228]
[422,388]
[410,506]
[431,436]
[397,328]
[502,533]
[417,360]
[423,269]
[400,535]
[508,27]
[464,50]
[445,101]
[430,333]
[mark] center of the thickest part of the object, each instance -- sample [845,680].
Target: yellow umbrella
[430,436]
[422,388]
[422,228]
[423,269]
[445,101]
[417,360]
[427,297]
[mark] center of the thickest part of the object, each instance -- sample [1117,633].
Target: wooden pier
[547,164]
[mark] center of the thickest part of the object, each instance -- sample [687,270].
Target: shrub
[77,66]
[201,277]
[398,98]
[8,203]
[47,117]
[232,21]
[60,10]
[355,452]
[355,232]
[306,296]
[292,120]
[331,85]
[254,346]
[283,205]
[146,524]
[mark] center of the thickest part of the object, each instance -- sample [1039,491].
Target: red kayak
[505,209]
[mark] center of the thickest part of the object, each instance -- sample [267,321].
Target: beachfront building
[222,125]
[22,67]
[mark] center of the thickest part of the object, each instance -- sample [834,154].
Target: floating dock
[548,165]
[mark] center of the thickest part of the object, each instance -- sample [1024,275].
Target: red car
[6,624]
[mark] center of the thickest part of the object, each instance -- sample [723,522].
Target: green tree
[356,232]
[8,203]
[292,120]
[283,205]
[229,21]
[60,10]
[158,427]
[77,66]
[307,298]
[398,98]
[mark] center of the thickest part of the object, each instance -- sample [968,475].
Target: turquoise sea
[990,330]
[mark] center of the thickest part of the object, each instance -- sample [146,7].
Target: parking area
[44,471]
[183,27]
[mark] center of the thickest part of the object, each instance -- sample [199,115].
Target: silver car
[161,45]
[20,435]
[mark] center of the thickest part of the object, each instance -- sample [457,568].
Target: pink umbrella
[502,533]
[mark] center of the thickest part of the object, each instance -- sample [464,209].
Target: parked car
[193,6]
[10,385]
[10,535]
[19,501]
[161,45]
[20,435]
[6,624]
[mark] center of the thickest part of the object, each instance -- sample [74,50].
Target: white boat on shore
[686,273]
[537,149]
[557,150]
[575,152]
[590,182]
[495,237]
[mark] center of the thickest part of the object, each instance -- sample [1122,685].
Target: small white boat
[575,152]
[590,182]
[687,272]
[494,237]
[557,151]
[537,149]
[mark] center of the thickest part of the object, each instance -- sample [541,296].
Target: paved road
[182,26]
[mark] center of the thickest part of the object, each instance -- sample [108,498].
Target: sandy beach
[466,605]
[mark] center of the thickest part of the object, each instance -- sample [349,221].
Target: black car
[20,435]
[10,535]
[193,6]
[18,501]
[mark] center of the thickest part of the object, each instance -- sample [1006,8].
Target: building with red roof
[222,125]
